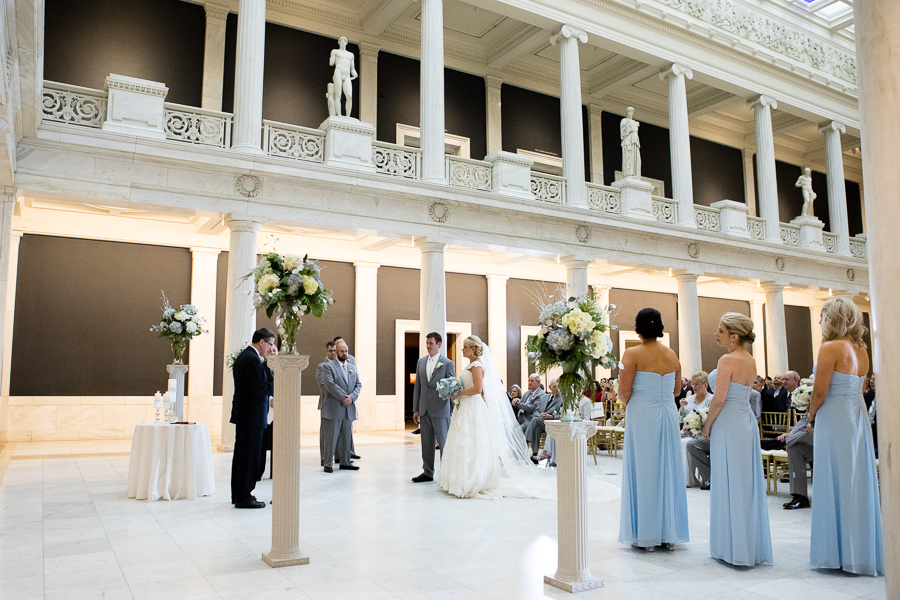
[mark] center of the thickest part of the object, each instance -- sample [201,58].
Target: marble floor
[68,531]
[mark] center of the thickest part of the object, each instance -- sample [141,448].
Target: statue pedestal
[573,573]
[511,174]
[348,143]
[135,107]
[285,550]
[810,233]
[732,218]
[178,372]
[636,198]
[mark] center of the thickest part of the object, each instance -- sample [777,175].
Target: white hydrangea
[578,321]
[181,316]
[310,285]
[267,283]
[292,261]
[191,327]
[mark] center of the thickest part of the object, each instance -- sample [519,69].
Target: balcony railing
[396,160]
[604,199]
[468,173]
[706,218]
[757,228]
[197,125]
[549,188]
[291,141]
[73,105]
[858,247]
[830,242]
[790,234]
[665,210]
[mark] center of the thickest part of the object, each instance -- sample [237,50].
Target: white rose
[191,327]
[181,315]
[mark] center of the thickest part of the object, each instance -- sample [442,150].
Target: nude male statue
[804,182]
[344,73]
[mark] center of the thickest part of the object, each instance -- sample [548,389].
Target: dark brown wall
[630,302]
[790,198]
[798,328]
[717,172]
[398,298]
[522,309]
[159,40]
[83,315]
[711,311]
[467,302]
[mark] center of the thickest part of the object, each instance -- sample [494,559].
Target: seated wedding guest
[775,398]
[514,393]
[598,390]
[654,503]
[846,514]
[699,399]
[584,405]
[526,406]
[756,397]
[544,408]
[799,445]
[769,383]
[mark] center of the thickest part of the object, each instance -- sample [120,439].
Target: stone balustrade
[291,141]
[197,125]
[73,105]
[468,173]
[665,210]
[396,160]
[549,188]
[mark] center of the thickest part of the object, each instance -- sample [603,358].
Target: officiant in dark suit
[253,386]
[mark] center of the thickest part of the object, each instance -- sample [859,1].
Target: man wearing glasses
[252,388]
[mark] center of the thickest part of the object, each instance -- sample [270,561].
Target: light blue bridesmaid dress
[738,515]
[654,502]
[846,511]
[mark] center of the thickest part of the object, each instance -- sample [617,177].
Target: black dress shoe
[250,504]
[534,459]
[356,456]
[798,502]
[329,470]
[422,478]
[417,431]
[704,487]
[349,468]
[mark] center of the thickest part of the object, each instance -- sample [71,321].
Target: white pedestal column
[595,126]
[240,318]
[497,326]
[732,218]
[573,573]
[177,372]
[837,193]
[635,198]
[433,293]
[776,332]
[248,77]
[366,341]
[511,174]
[570,112]
[202,355]
[576,276]
[285,550]
[214,57]
[9,261]
[749,181]
[494,119]
[680,143]
[432,96]
[368,83]
[765,166]
[689,349]
[757,313]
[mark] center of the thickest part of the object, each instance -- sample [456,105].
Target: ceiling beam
[785,123]
[621,78]
[710,102]
[525,43]
[374,243]
[378,15]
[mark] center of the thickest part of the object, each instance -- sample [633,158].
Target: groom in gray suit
[430,411]
[342,387]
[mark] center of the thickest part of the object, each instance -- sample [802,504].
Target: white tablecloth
[170,462]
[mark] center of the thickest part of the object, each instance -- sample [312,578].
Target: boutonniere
[350,370]
[262,359]
[438,366]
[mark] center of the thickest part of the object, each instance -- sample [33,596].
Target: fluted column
[765,166]
[202,355]
[689,349]
[776,331]
[240,317]
[432,94]
[497,322]
[433,292]
[285,550]
[595,126]
[570,112]
[573,572]
[368,83]
[576,276]
[492,87]
[366,342]
[9,259]
[680,143]
[749,182]
[757,314]
[214,56]
[837,192]
[248,77]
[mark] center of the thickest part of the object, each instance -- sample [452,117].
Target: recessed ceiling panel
[589,56]
[467,19]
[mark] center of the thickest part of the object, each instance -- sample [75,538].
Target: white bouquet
[801,397]
[179,326]
[695,420]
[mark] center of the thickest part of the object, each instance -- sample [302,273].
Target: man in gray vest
[799,445]
[430,411]
[525,407]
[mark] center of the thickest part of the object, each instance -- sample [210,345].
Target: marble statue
[804,182]
[333,109]
[344,73]
[631,145]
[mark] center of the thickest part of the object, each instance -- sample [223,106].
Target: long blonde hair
[841,318]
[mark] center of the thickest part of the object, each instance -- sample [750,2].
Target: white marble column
[573,571]
[576,276]
[368,83]
[765,166]
[285,550]
[570,112]
[680,143]
[749,181]
[248,79]
[757,314]
[432,293]
[497,326]
[365,331]
[214,56]
[202,355]
[776,331]
[837,192]
[493,111]
[689,349]
[595,128]
[431,103]
[9,259]
[815,315]
[240,317]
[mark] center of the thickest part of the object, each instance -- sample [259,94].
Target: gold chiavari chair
[772,424]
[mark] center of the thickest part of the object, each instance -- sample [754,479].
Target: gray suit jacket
[426,400]
[530,402]
[548,404]
[756,403]
[336,387]
[798,434]
[320,370]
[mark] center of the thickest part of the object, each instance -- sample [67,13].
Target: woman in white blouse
[699,399]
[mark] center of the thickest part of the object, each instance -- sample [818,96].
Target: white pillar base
[636,198]
[573,587]
[810,233]
[178,371]
[348,143]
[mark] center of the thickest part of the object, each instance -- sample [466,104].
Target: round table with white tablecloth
[170,462]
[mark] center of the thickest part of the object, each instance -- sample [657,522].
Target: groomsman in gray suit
[352,360]
[330,355]
[526,406]
[698,459]
[342,387]
[430,411]
[799,445]
[544,409]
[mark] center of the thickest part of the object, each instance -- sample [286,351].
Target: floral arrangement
[448,386]
[695,420]
[179,326]
[801,397]
[291,285]
[573,334]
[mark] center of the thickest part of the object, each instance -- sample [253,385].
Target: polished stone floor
[67,531]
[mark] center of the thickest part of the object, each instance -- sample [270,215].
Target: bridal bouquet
[448,386]
[179,326]
[573,334]
[292,286]
[695,420]
[801,397]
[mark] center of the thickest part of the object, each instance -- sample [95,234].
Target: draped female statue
[631,145]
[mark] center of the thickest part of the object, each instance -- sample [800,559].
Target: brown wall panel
[798,328]
[711,311]
[630,302]
[522,309]
[398,298]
